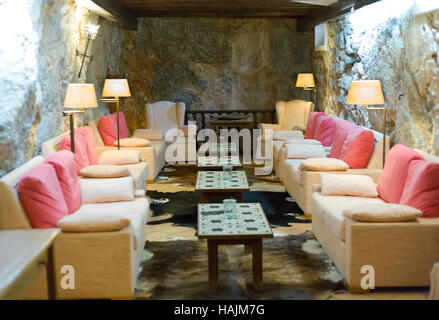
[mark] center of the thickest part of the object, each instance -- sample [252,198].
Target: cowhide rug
[295,267]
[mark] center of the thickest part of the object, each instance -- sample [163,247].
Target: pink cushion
[123,129]
[324,130]
[81,155]
[392,179]
[341,131]
[42,197]
[310,125]
[357,148]
[91,144]
[64,164]
[107,129]
[421,188]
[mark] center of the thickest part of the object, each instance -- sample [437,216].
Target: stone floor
[159,232]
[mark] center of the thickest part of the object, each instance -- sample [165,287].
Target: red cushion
[81,155]
[123,129]
[421,188]
[41,195]
[91,144]
[324,130]
[309,132]
[392,179]
[341,131]
[64,164]
[357,148]
[107,129]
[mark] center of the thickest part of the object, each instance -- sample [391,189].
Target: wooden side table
[23,253]
[212,184]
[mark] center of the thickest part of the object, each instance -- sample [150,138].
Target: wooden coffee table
[248,227]
[217,162]
[212,184]
[216,149]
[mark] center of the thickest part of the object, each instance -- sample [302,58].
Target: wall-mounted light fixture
[306,81]
[91,31]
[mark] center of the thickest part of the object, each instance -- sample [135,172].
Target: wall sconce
[91,31]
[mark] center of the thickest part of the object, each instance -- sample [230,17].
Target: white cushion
[304,151]
[330,210]
[120,157]
[348,185]
[382,212]
[285,135]
[133,142]
[149,134]
[291,167]
[104,171]
[324,164]
[302,141]
[106,190]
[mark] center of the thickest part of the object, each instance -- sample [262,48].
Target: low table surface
[250,222]
[215,161]
[213,181]
[20,252]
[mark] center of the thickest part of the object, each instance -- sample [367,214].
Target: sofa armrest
[150,134]
[272,126]
[373,173]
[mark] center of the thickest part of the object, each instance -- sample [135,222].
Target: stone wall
[37,61]
[385,41]
[213,63]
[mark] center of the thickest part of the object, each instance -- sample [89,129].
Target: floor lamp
[369,92]
[79,96]
[306,81]
[112,91]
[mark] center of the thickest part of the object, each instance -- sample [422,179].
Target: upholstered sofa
[401,253]
[298,181]
[139,171]
[153,154]
[105,263]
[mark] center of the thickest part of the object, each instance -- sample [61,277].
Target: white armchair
[168,118]
[291,115]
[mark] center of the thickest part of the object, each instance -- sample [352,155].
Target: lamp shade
[365,92]
[305,80]
[80,96]
[116,88]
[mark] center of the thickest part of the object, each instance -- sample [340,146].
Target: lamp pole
[384,128]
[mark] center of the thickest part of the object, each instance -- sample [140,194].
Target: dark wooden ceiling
[308,14]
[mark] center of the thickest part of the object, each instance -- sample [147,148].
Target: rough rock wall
[213,63]
[37,61]
[385,41]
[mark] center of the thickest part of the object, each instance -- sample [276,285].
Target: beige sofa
[402,254]
[105,263]
[298,183]
[154,155]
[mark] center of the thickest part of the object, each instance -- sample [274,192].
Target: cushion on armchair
[107,129]
[393,177]
[357,148]
[302,141]
[287,135]
[323,164]
[88,133]
[347,185]
[42,197]
[92,223]
[123,128]
[104,171]
[304,151]
[133,142]
[381,212]
[311,124]
[149,134]
[106,190]
[421,188]
[324,129]
[81,153]
[341,131]
[120,157]
[64,165]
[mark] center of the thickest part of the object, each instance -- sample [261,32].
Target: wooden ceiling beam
[123,15]
[335,10]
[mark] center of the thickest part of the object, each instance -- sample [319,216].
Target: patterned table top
[214,161]
[214,181]
[249,221]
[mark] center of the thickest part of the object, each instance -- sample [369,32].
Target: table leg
[212,248]
[50,269]
[238,196]
[257,262]
[206,197]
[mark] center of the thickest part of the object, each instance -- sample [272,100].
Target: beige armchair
[290,115]
[168,118]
